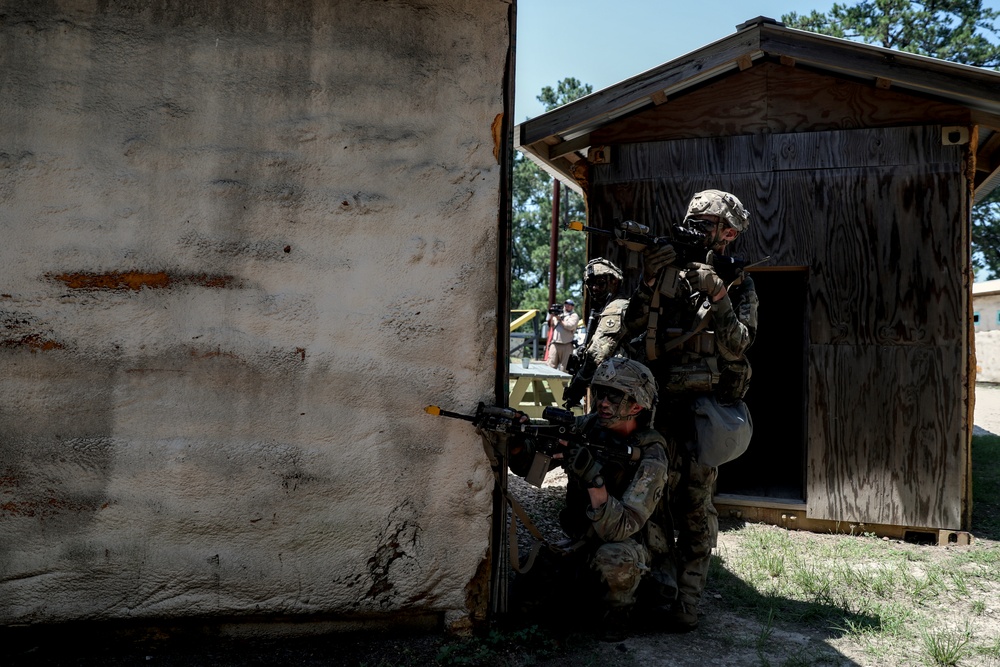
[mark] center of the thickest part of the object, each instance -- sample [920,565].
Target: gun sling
[668,285]
[518,515]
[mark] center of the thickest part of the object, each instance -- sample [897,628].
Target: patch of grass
[991,649]
[946,647]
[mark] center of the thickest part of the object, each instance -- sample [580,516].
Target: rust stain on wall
[34,342]
[137,280]
[497,129]
[46,507]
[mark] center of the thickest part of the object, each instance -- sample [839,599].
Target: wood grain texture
[879,217]
[770,98]
[885,435]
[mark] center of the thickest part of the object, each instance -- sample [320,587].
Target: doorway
[774,466]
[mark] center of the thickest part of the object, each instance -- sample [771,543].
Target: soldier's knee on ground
[620,566]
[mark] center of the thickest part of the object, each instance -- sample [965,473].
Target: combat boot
[616,624]
[681,617]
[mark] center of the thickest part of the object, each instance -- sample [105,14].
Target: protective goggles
[727,233]
[600,393]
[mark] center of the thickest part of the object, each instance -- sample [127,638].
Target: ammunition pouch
[734,381]
[699,344]
[688,378]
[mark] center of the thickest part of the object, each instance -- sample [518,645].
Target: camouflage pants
[621,566]
[697,526]
[694,518]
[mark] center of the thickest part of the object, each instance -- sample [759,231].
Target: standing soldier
[605,329]
[697,330]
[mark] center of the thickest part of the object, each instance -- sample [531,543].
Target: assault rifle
[688,243]
[560,426]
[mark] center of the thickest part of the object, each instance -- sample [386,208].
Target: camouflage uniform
[710,361]
[605,331]
[617,542]
[616,534]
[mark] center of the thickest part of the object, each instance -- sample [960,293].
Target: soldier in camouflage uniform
[697,331]
[609,504]
[605,329]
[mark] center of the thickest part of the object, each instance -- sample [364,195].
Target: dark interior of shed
[775,463]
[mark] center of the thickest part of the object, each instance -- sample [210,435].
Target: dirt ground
[723,638]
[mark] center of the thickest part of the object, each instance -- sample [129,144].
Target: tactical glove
[657,258]
[575,361]
[702,278]
[582,465]
[573,393]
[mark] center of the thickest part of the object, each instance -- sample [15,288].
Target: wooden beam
[659,97]
[884,84]
[564,147]
[986,156]
[787,61]
[744,62]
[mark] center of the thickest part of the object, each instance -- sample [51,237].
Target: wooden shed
[860,166]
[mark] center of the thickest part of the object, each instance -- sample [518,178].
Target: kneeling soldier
[614,538]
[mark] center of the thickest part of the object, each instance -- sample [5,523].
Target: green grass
[897,603]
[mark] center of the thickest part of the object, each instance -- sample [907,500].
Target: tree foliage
[961,31]
[532,222]
[956,30]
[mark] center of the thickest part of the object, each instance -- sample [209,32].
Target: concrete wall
[987,306]
[243,245]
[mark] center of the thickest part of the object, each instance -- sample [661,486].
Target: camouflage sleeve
[609,333]
[619,519]
[636,317]
[735,321]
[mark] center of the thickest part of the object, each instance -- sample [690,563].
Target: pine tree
[532,222]
[961,31]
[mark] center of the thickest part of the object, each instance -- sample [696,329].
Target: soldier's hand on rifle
[657,258]
[581,464]
[702,278]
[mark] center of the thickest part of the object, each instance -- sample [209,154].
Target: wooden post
[554,242]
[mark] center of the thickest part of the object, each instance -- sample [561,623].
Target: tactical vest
[678,339]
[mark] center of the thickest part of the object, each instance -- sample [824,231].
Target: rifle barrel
[435,410]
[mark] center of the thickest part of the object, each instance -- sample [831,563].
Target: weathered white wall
[243,244]
[988,307]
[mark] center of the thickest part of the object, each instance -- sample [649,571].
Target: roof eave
[560,137]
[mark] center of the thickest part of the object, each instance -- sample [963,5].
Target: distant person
[563,322]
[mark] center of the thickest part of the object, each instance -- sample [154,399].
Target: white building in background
[986,317]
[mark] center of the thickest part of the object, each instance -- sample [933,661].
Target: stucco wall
[243,245]
[987,306]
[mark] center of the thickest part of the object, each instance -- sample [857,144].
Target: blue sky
[602,42]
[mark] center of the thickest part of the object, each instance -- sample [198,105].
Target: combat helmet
[601,267]
[722,204]
[629,377]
